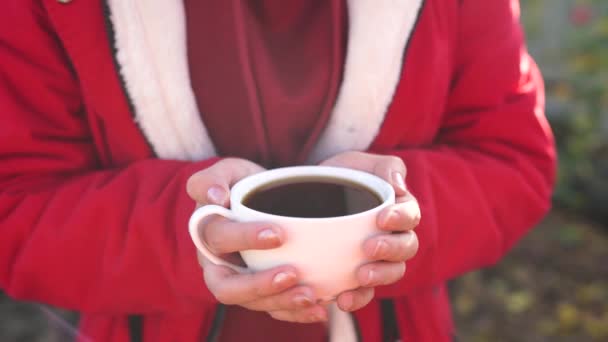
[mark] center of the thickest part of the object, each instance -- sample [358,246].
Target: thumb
[212,185]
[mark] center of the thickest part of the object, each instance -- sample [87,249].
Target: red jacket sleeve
[488,178]
[71,234]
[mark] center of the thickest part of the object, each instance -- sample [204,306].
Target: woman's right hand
[276,290]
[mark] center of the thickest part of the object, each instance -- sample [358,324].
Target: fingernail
[370,278]
[380,250]
[216,194]
[282,278]
[302,300]
[398,181]
[347,302]
[268,235]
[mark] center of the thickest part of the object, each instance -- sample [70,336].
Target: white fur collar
[151,52]
[378,34]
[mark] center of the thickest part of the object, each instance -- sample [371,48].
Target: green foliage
[577,97]
[553,286]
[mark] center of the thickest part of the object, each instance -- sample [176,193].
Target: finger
[212,185]
[232,288]
[391,247]
[380,273]
[313,314]
[402,216]
[355,299]
[390,168]
[224,236]
[295,298]
[393,170]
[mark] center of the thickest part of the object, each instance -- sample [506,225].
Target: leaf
[464,304]
[592,293]
[569,236]
[547,327]
[519,302]
[567,316]
[596,327]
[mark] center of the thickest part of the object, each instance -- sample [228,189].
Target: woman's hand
[388,251]
[275,290]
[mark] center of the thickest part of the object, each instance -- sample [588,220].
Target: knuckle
[215,237]
[389,163]
[192,185]
[416,217]
[382,247]
[201,260]
[278,303]
[370,295]
[221,296]
[396,161]
[220,171]
[364,298]
[215,242]
[304,317]
[247,239]
[255,287]
[408,246]
[349,154]
[414,244]
[402,252]
[393,247]
[209,283]
[408,254]
[218,296]
[401,270]
[285,302]
[393,273]
[226,161]
[411,212]
[416,213]
[256,290]
[281,316]
[233,162]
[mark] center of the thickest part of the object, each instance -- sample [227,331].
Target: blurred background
[554,285]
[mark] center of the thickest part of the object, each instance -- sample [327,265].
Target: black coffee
[312,197]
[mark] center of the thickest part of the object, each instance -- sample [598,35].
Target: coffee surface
[312,197]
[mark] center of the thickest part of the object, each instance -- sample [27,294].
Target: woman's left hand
[388,251]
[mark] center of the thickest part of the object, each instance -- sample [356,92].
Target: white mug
[326,251]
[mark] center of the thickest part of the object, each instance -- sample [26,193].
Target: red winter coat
[93,208]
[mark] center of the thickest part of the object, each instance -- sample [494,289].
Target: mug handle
[194,229]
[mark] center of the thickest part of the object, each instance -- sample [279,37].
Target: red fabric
[260,327]
[90,221]
[272,66]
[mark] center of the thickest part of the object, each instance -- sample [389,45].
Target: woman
[111,109]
